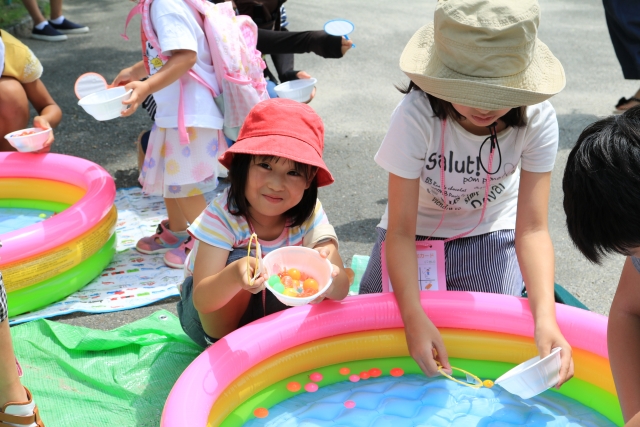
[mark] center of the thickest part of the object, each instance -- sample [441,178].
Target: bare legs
[10,388]
[184,211]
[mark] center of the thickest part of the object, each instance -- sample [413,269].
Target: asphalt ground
[355,97]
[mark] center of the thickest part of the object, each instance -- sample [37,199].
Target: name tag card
[431,270]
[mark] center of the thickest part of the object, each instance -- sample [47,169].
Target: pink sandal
[163,241]
[175,258]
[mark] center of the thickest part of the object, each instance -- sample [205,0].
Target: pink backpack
[238,65]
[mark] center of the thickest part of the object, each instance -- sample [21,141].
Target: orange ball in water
[365,375]
[375,372]
[261,413]
[311,285]
[294,386]
[397,372]
[344,371]
[487,383]
[294,273]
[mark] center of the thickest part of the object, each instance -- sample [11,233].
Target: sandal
[623,101]
[163,241]
[7,416]
[175,258]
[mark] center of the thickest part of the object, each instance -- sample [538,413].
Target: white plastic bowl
[304,259]
[106,104]
[28,143]
[532,377]
[298,90]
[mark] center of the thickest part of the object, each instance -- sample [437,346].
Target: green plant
[13,11]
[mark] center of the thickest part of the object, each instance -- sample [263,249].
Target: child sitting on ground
[275,169]
[601,187]
[20,85]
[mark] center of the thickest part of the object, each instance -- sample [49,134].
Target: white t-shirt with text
[412,149]
[178,26]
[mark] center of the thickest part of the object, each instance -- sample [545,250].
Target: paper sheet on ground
[85,377]
[132,279]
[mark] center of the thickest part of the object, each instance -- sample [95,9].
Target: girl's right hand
[245,275]
[426,345]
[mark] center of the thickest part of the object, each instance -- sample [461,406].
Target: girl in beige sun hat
[469,152]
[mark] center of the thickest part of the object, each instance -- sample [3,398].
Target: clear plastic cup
[28,143]
[106,104]
[304,259]
[299,90]
[532,377]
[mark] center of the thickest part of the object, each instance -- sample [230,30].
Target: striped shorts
[484,263]
[3,302]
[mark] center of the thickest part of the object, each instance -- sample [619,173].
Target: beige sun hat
[483,54]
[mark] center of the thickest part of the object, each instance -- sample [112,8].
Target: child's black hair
[516,117]
[238,204]
[601,187]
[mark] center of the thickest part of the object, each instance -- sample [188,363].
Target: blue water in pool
[413,401]
[12,219]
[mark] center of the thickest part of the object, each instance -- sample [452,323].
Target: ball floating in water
[349,404]
[396,372]
[261,413]
[375,372]
[278,287]
[294,273]
[344,371]
[274,279]
[365,375]
[42,215]
[294,386]
[311,387]
[354,378]
[487,383]
[315,377]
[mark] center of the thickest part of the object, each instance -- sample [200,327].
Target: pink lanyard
[443,186]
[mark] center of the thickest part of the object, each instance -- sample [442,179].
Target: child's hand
[548,336]
[258,284]
[140,92]
[42,123]
[124,76]
[346,45]
[305,75]
[425,344]
[324,253]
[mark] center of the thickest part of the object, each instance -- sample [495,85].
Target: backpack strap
[182,129]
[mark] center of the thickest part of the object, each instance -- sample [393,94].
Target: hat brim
[543,78]
[280,146]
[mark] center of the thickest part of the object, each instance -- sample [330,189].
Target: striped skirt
[484,263]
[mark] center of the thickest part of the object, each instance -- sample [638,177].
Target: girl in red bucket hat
[275,169]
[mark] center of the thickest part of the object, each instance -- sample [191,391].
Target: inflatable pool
[251,370]
[48,260]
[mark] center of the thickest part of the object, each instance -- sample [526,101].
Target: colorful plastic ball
[294,273]
[365,375]
[294,386]
[375,372]
[274,280]
[290,292]
[261,413]
[344,371]
[278,287]
[350,404]
[354,378]
[315,377]
[42,215]
[396,372]
[311,285]
[311,387]
[487,383]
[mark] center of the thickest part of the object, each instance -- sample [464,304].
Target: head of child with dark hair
[601,187]
[275,169]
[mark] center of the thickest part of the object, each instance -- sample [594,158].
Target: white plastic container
[28,143]
[106,104]
[304,259]
[532,377]
[299,90]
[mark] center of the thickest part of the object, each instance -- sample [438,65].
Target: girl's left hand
[140,92]
[549,336]
[41,123]
[324,253]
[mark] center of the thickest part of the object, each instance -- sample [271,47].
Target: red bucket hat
[283,128]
